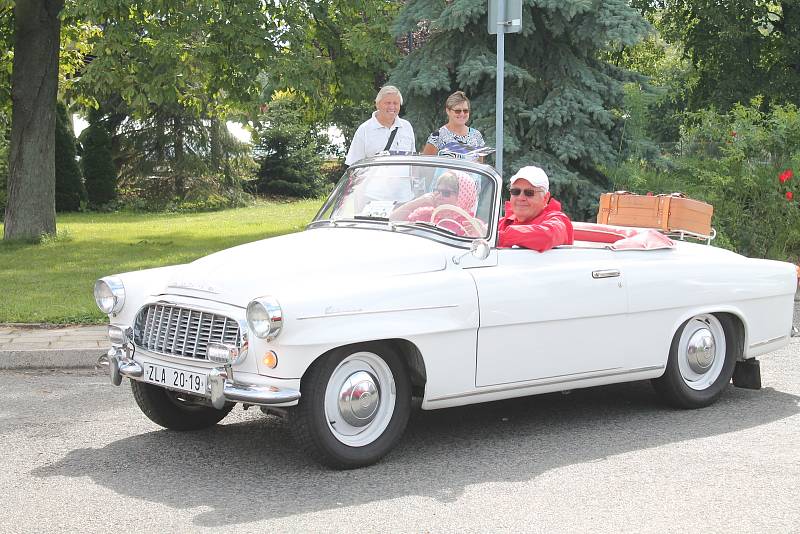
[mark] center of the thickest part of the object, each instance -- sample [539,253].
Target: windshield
[439,198]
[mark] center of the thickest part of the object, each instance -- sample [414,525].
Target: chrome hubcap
[359,398]
[700,350]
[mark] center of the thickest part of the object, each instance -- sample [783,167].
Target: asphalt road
[77,455]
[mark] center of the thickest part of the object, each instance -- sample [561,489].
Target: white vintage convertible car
[396,291]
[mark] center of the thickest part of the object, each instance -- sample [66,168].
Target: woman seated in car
[451,206]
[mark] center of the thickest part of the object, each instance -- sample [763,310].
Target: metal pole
[498,124]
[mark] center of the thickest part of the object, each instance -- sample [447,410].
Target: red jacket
[548,229]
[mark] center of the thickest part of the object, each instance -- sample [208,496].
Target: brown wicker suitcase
[668,213]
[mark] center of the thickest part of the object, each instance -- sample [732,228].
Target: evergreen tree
[69,186]
[98,167]
[562,101]
[289,152]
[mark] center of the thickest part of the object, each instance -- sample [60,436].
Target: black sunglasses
[446,193]
[515,191]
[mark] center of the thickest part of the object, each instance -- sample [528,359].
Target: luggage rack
[682,235]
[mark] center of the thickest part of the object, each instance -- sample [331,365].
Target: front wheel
[701,361]
[175,411]
[354,407]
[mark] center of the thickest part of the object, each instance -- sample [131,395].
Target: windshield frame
[423,161]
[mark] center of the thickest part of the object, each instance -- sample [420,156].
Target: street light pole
[504,16]
[501,52]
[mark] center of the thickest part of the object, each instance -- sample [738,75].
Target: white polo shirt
[371,138]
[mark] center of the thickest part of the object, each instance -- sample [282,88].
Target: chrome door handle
[607,273]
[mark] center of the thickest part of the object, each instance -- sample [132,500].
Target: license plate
[175,378]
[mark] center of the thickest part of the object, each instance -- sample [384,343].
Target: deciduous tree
[739,48]
[30,209]
[336,55]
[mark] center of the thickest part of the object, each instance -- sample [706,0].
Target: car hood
[313,258]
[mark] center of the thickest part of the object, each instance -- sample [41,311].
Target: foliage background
[639,94]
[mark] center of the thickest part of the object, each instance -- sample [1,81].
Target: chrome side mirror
[479,249]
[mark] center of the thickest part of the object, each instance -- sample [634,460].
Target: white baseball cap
[534,176]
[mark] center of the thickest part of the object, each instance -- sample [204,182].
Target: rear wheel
[176,411]
[354,406]
[701,361]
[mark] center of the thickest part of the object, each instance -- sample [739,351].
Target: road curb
[78,358]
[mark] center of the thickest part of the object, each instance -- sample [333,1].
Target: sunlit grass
[51,282]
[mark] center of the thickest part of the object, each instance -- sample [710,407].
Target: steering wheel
[449,224]
[474,223]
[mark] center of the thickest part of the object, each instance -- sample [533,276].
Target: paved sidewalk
[36,347]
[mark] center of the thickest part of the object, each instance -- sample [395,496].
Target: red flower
[785,176]
[789,195]
[733,133]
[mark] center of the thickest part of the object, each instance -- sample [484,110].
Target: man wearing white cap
[533,218]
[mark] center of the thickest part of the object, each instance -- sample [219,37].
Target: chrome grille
[178,331]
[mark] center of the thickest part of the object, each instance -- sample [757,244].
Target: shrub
[735,162]
[205,193]
[332,171]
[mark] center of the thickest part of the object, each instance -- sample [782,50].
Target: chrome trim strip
[607,273]
[576,377]
[767,342]
[222,388]
[364,312]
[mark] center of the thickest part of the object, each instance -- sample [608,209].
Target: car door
[556,315]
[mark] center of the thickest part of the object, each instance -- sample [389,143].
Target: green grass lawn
[52,282]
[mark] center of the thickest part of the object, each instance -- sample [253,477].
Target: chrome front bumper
[221,387]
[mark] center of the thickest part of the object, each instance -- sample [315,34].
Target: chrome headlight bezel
[265,317]
[109,294]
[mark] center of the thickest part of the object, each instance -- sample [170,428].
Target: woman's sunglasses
[447,193]
[460,111]
[516,191]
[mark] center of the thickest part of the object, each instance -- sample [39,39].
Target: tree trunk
[31,208]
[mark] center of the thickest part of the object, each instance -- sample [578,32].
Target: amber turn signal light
[271,359]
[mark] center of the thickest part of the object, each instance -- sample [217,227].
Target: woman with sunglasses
[451,205]
[457,107]
[533,218]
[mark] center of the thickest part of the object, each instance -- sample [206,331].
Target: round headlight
[109,294]
[265,318]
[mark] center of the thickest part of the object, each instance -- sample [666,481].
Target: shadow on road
[250,471]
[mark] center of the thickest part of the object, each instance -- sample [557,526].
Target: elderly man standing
[385,130]
[533,219]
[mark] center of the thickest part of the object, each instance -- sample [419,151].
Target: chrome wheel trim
[701,351]
[359,399]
